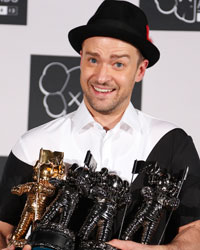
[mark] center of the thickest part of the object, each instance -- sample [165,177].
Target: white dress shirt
[131,139]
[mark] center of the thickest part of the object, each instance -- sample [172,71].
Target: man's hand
[27,247]
[5,232]
[188,237]
[9,248]
[131,245]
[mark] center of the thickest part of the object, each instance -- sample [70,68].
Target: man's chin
[101,106]
[105,110]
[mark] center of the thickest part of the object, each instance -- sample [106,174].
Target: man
[115,51]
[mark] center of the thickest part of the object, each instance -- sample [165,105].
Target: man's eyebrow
[88,53]
[114,56]
[120,56]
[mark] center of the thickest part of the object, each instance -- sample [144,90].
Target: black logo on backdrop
[55,88]
[57,92]
[172,14]
[13,12]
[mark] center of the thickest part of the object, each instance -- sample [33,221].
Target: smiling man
[115,52]
[109,69]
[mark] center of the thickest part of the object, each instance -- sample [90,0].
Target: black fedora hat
[118,19]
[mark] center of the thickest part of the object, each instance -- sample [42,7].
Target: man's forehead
[107,42]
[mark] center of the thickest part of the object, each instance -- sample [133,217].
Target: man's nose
[103,73]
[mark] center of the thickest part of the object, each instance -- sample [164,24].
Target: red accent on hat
[148,38]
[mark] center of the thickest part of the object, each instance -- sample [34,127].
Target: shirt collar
[82,119]
[130,119]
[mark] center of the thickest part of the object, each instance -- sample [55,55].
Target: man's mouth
[101,90]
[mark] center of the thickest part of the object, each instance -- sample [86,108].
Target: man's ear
[141,70]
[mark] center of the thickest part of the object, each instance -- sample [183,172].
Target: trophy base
[53,237]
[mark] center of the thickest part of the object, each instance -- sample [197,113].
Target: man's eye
[92,60]
[119,65]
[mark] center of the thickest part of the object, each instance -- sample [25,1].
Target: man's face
[109,70]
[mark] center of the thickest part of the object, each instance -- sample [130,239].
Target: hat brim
[78,35]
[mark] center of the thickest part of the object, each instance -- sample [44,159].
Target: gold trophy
[39,193]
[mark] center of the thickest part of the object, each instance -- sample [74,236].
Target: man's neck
[107,120]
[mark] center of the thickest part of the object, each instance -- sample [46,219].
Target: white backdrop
[170,89]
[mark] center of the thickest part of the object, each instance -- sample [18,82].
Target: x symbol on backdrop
[74,98]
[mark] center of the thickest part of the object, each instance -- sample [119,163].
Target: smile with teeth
[103,90]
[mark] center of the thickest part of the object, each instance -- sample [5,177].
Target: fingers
[27,247]
[131,245]
[123,245]
[12,247]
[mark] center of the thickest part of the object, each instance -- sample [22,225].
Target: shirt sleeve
[175,151]
[15,172]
